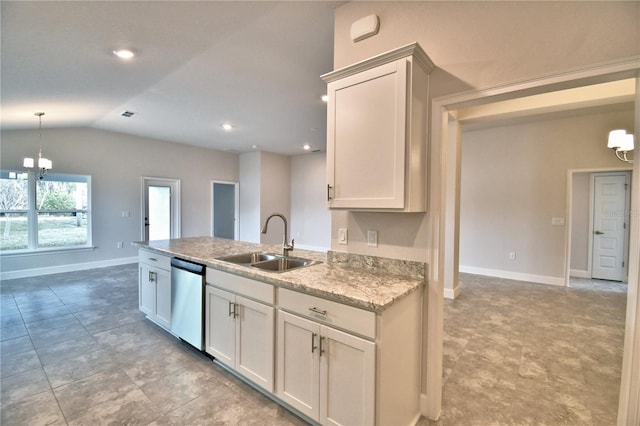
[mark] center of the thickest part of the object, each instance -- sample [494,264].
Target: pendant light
[44,164]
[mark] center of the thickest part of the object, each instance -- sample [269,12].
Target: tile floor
[76,350]
[518,353]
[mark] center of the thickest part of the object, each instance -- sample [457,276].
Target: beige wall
[250,197]
[116,163]
[477,45]
[310,216]
[514,181]
[264,189]
[275,194]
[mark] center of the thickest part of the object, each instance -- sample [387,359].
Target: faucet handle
[292,243]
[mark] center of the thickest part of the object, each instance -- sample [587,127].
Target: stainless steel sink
[283,264]
[248,258]
[268,261]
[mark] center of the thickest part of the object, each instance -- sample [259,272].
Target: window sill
[58,250]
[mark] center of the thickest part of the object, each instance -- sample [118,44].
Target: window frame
[33,213]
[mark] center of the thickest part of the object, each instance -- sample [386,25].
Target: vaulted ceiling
[198,65]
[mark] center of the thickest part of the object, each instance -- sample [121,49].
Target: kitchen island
[338,342]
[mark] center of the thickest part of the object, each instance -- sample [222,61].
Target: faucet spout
[286,247]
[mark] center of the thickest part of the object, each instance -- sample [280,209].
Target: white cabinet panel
[220,325]
[376,133]
[326,374]
[154,287]
[255,341]
[298,370]
[239,333]
[347,379]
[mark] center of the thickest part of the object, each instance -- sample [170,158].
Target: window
[48,214]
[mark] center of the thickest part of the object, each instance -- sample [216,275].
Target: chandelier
[44,164]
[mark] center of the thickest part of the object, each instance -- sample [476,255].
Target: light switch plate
[557,221]
[372,238]
[342,235]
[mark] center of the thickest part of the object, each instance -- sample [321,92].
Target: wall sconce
[622,143]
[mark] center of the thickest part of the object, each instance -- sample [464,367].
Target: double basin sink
[268,261]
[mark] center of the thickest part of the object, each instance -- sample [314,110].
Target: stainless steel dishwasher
[187,301]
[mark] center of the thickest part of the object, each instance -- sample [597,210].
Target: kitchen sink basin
[283,264]
[268,261]
[248,258]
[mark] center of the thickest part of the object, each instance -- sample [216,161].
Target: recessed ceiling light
[124,53]
[306,147]
[227,127]
[325,98]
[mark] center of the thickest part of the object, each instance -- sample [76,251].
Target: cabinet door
[298,365]
[366,137]
[147,290]
[347,379]
[254,342]
[220,325]
[163,297]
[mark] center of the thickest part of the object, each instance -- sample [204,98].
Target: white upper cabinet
[377,116]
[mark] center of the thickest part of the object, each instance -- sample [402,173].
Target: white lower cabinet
[239,333]
[154,287]
[325,373]
[334,363]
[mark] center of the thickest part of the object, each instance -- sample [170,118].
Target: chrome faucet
[286,247]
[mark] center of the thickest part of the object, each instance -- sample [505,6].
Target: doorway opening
[444,208]
[160,209]
[597,241]
[225,207]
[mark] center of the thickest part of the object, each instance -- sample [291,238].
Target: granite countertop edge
[363,288]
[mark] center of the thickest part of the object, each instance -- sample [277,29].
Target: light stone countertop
[368,287]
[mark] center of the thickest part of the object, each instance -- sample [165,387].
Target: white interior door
[161,209]
[225,210]
[609,227]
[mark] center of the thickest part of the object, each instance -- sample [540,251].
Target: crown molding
[412,49]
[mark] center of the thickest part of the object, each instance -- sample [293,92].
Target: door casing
[176,220]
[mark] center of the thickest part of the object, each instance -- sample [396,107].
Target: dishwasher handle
[185,265]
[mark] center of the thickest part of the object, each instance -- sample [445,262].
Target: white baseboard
[424,408]
[579,273]
[451,293]
[540,279]
[36,272]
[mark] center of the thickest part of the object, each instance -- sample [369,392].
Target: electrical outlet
[512,255]
[342,236]
[372,238]
[119,244]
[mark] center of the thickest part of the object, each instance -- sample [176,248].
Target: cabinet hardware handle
[328,192]
[318,311]
[235,310]
[321,349]
[598,232]
[230,309]
[153,259]
[153,276]
[313,342]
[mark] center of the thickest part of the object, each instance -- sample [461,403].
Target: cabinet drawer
[240,285]
[152,258]
[328,312]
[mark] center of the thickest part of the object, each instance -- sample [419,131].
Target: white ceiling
[256,65]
